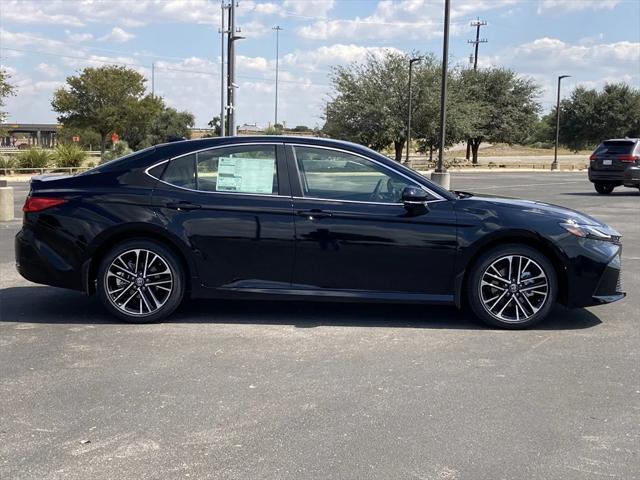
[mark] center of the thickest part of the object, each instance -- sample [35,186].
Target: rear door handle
[183,206]
[314,213]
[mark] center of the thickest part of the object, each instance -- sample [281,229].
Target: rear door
[232,205]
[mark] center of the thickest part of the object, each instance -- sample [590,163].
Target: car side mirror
[414,198]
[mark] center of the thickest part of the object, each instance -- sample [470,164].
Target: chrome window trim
[438,198]
[146,171]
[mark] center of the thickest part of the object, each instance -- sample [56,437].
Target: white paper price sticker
[246,175]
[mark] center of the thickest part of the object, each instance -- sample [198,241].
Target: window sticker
[250,175]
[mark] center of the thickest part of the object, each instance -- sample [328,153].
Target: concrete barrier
[6,202]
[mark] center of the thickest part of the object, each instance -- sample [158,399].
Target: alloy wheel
[138,282]
[514,288]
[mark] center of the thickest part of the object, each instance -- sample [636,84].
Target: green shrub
[91,164]
[7,163]
[118,150]
[34,158]
[69,155]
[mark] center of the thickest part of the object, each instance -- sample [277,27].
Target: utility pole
[477,23]
[222,32]
[554,165]
[411,62]
[441,176]
[277,28]
[231,69]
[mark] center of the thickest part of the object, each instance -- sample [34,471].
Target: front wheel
[513,286]
[604,188]
[140,281]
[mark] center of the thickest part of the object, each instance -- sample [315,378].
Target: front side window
[242,169]
[334,175]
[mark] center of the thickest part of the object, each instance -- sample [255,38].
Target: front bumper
[592,272]
[610,287]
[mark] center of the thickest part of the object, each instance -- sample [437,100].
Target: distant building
[25,135]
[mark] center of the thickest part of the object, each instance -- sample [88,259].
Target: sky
[44,41]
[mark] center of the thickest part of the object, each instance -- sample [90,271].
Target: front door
[233,207]
[353,232]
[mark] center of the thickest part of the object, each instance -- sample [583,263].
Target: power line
[157,67]
[477,23]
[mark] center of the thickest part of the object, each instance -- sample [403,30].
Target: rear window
[615,147]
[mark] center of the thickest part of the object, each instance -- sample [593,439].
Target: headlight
[594,232]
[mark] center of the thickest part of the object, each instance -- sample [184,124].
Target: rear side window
[181,172]
[615,147]
[242,169]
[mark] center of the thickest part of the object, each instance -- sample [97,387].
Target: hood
[539,208]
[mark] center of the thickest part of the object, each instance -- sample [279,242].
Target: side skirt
[322,295]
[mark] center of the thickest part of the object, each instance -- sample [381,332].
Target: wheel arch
[110,239]
[527,238]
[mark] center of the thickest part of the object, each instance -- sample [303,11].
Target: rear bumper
[606,176]
[631,177]
[37,262]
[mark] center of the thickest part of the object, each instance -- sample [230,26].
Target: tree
[426,117]
[136,126]
[589,116]
[215,124]
[505,106]
[99,98]
[370,103]
[170,125]
[6,90]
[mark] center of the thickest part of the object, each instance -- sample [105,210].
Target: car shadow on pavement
[57,306]
[629,192]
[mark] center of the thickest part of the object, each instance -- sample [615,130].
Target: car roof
[214,141]
[630,140]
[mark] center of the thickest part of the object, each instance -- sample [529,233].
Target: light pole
[277,28]
[411,62]
[554,165]
[441,176]
[223,31]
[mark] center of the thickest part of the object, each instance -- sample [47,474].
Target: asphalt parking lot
[266,390]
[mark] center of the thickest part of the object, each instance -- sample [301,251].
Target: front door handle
[314,213]
[183,206]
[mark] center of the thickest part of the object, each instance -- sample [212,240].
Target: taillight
[37,204]
[593,157]
[628,158]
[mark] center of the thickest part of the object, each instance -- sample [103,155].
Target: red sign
[75,138]
[115,137]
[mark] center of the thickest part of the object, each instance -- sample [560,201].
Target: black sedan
[292,218]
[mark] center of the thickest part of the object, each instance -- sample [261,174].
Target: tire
[522,306]
[154,274]
[604,188]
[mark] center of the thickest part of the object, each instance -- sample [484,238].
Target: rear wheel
[140,281]
[513,286]
[604,188]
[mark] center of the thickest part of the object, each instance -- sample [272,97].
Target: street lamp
[411,62]
[277,28]
[440,175]
[554,165]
